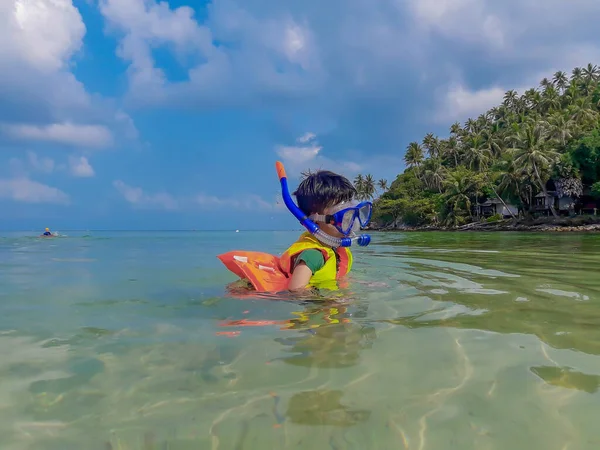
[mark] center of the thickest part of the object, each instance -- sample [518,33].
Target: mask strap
[323,218]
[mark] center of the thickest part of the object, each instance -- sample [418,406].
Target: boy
[311,262]
[321,256]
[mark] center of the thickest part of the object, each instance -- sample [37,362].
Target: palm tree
[493,139]
[590,73]
[535,149]
[545,83]
[510,99]
[582,113]
[414,156]
[459,186]
[431,144]
[560,80]
[477,155]
[550,99]
[456,130]
[471,126]
[576,74]
[572,93]
[532,98]
[561,127]
[450,148]
[383,184]
[368,188]
[435,175]
[513,181]
[359,185]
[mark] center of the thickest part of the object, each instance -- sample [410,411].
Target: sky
[138,114]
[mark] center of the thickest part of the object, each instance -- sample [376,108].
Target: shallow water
[442,341]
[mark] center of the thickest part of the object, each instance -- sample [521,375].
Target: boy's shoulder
[312,257]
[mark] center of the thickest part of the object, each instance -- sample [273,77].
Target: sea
[440,341]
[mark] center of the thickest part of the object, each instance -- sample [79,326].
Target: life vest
[269,273]
[338,262]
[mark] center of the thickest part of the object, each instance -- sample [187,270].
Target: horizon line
[148,229]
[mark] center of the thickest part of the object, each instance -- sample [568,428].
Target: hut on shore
[494,206]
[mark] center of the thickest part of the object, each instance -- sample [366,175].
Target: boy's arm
[300,277]
[306,264]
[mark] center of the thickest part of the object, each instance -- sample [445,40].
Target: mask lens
[347,221]
[364,214]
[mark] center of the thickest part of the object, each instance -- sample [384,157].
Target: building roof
[493,201]
[550,194]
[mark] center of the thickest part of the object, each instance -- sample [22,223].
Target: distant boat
[237,231]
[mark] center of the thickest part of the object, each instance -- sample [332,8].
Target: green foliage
[406,200]
[494,218]
[509,152]
[584,153]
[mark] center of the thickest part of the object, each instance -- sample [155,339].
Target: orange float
[261,269]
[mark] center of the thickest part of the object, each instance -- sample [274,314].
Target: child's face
[328,228]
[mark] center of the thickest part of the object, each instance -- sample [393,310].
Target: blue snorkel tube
[363,240]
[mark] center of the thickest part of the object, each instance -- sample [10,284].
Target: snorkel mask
[344,218]
[347,217]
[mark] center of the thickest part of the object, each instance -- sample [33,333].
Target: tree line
[508,153]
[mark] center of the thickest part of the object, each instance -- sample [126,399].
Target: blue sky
[137,114]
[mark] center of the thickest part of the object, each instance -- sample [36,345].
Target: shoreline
[551,227]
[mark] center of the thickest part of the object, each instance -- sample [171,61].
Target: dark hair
[322,189]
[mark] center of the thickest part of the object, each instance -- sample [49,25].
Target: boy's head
[322,190]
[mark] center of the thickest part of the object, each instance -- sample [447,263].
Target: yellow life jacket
[338,262]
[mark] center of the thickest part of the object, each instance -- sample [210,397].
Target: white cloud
[43,33]
[126,122]
[460,103]
[38,38]
[80,167]
[306,137]
[467,20]
[352,61]
[286,37]
[505,29]
[269,50]
[266,46]
[40,98]
[244,202]
[147,24]
[301,158]
[308,156]
[23,189]
[298,155]
[62,133]
[77,166]
[137,197]
[33,163]
[41,164]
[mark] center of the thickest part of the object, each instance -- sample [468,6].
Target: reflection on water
[328,339]
[323,407]
[441,341]
[566,377]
